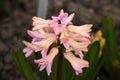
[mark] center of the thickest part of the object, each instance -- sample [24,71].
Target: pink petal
[26,49]
[69,19]
[44,52]
[78,45]
[86,26]
[45,43]
[29,45]
[40,27]
[42,67]
[39,20]
[48,68]
[28,53]
[66,44]
[82,30]
[38,34]
[57,29]
[63,16]
[84,34]
[80,54]
[46,62]
[35,34]
[61,11]
[76,63]
[55,20]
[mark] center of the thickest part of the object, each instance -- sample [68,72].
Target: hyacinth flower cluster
[59,31]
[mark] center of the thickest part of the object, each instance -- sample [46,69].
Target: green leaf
[54,69]
[43,75]
[23,65]
[112,39]
[28,73]
[94,61]
[67,70]
[108,29]
[104,28]
[111,48]
[107,61]
[16,61]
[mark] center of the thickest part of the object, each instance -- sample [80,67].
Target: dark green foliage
[108,29]
[111,58]
[23,65]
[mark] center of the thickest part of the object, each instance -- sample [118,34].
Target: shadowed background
[15,19]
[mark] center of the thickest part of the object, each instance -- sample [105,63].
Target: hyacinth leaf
[111,48]
[104,28]
[112,39]
[54,69]
[95,63]
[23,65]
[16,61]
[67,68]
[111,42]
[107,62]
[28,73]
[42,74]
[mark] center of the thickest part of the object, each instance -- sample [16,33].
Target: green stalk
[59,65]
[60,61]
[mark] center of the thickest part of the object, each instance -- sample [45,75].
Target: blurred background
[15,19]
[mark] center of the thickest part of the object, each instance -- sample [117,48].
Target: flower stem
[59,65]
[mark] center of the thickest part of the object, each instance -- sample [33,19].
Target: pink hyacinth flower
[38,34]
[45,43]
[82,30]
[39,23]
[48,35]
[76,63]
[74,41]
[61,21]
[47,61]
[30,48]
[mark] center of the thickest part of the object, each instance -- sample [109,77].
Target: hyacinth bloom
[47,61]
[76,63]
[59,31]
